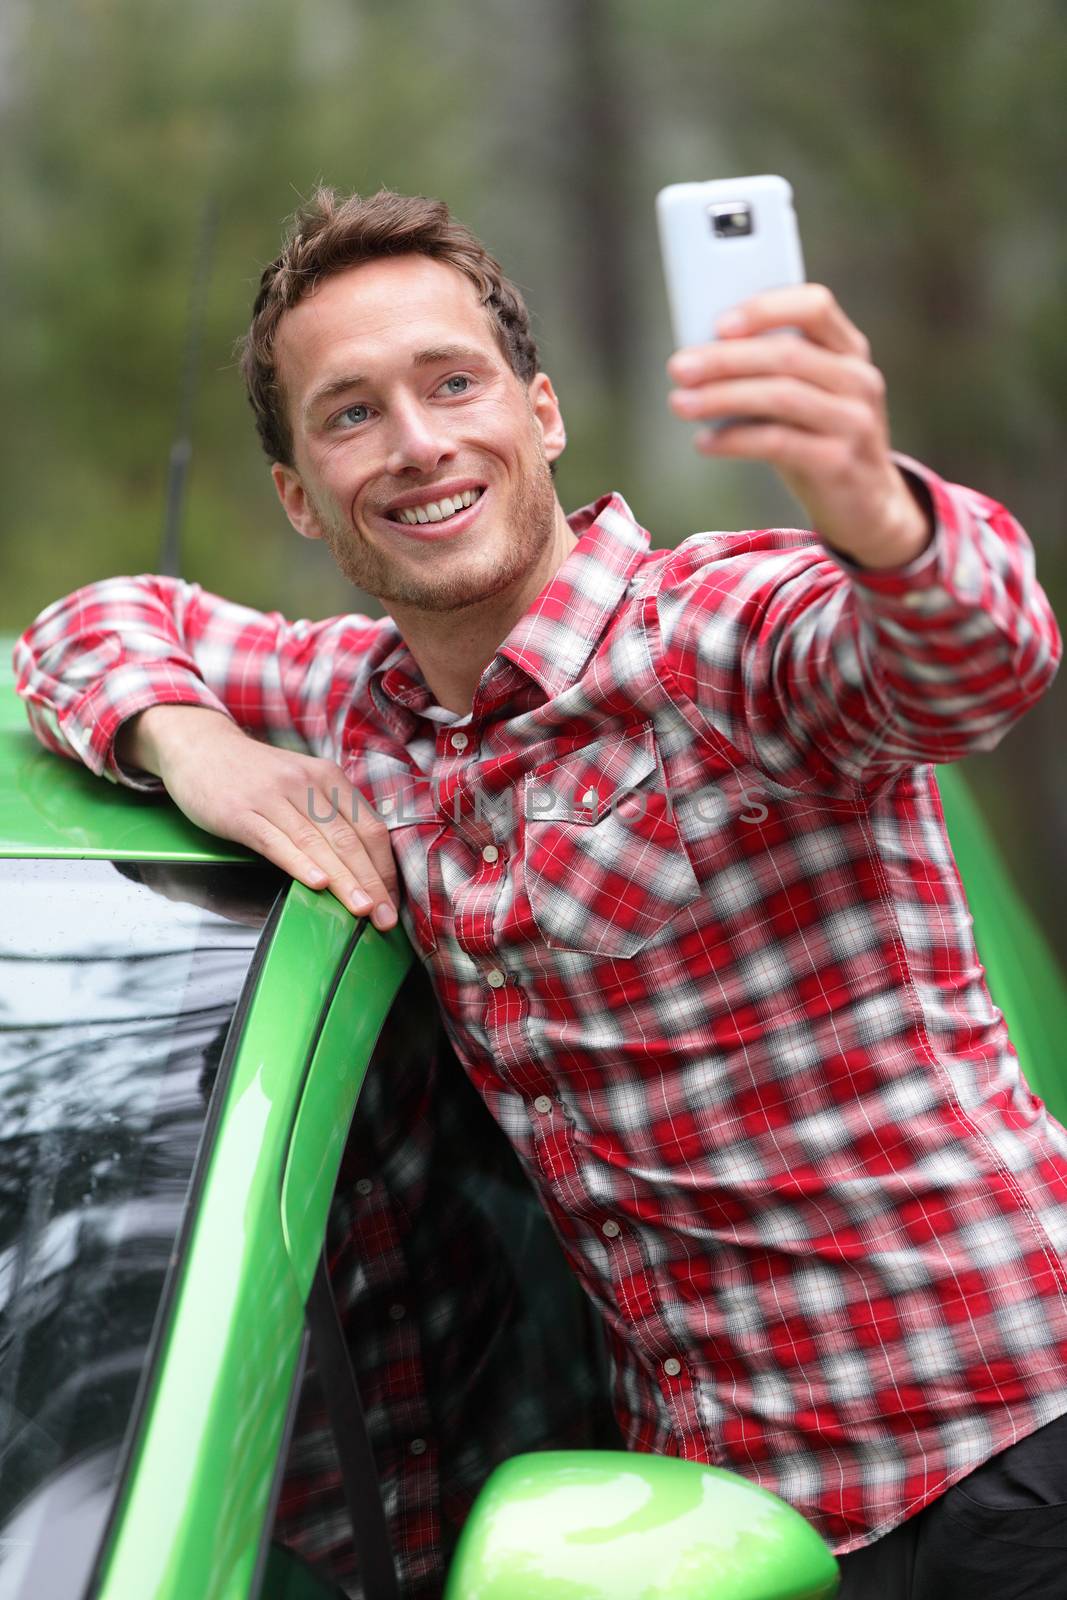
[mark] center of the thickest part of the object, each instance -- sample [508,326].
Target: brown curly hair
[331,233]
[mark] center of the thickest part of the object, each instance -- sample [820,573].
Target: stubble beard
[531,521]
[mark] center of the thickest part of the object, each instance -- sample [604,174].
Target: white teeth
[438,510]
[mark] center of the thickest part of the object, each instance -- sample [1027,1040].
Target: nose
[418,440]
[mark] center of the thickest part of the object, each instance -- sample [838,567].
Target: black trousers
[1000,1533]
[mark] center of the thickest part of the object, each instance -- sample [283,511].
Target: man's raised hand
[299,811]
[814,407]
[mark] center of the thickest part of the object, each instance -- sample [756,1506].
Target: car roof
[58,808]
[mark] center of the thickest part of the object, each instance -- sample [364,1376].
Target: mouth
[438,519]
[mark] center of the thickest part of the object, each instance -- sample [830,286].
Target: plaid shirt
[683,887]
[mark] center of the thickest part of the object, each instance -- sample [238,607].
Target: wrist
[151,738]
[908,528]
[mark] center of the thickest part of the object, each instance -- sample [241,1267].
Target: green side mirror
[611,1525]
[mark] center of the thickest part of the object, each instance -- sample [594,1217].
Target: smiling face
[419,456]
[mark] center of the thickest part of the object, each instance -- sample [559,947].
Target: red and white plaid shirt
[684,890]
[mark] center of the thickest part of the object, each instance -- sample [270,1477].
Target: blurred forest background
[142,143]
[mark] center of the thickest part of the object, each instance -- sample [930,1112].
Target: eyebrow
[437,355]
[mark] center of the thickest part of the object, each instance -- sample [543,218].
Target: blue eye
[457,377]
[347,412]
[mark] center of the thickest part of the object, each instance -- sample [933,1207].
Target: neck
[453,648]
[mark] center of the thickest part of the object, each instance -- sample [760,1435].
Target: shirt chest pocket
[604,866]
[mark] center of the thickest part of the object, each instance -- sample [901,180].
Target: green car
[188,1041]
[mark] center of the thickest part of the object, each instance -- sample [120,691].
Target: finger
[811,307]
[335,847]
[782,355]
[264,836]
[343,813]
[788,400]
[333,797]
[375,838]
[789,449]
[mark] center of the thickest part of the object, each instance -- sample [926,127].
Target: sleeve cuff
[91,726]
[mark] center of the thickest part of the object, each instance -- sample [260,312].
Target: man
[670,846]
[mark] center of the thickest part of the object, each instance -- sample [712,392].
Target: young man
[670,846]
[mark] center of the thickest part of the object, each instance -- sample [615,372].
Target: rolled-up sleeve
[94,659]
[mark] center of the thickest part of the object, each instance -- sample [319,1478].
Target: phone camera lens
[732,220]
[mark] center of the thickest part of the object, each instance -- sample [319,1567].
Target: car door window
[469,1338]
[288,1577]
[118,984]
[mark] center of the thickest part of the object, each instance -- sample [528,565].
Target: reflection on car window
[469,1335]
[118,982]
[287,1577]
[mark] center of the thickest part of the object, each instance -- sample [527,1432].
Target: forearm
[94,660]
[122,675]
[144,740]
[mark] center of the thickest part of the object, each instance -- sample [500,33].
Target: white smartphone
[722,242]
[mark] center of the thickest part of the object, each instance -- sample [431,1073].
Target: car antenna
[181,449]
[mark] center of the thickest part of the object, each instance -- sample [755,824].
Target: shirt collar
[556,637]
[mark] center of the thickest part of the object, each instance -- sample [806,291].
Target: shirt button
[459,741]
[672,1366]
[386,807]
[417,1447]
[490,853]
[398,1313]
[364,1186]
[543,1104]
[495,978]
[610,1229]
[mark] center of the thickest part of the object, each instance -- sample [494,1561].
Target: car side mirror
[615,1525]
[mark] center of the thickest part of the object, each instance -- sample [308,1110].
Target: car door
[448,1333]
[214,1416]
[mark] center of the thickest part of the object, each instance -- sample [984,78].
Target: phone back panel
[705,274]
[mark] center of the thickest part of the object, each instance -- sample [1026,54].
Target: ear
[295,502]
[545,408]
